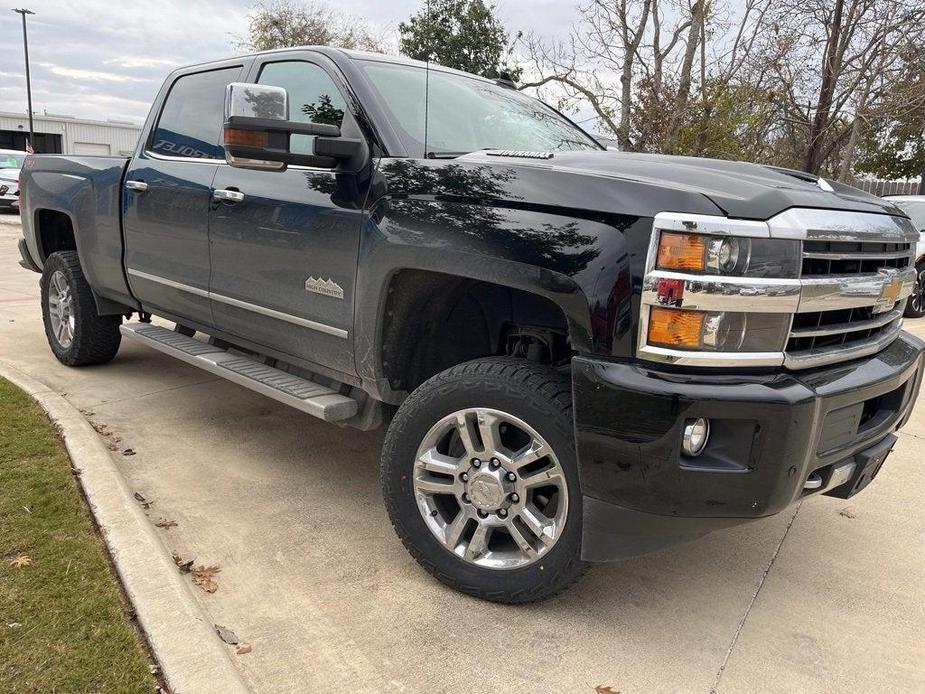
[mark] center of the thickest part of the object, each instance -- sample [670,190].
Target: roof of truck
[339,53]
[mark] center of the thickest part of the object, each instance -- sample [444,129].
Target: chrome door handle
[137,186]
[227,195]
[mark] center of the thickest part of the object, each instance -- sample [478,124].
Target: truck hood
[739,189]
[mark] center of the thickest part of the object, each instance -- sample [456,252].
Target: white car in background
[914,206]
[10,165]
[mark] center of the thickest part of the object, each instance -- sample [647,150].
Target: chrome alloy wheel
[918,292]
[61,309]
[490,489]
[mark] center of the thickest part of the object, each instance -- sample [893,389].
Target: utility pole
[25,44]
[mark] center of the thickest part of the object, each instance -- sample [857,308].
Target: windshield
[466,114]
[915,209]
[12,160]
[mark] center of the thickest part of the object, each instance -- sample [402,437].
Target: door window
[313,96]
[191,120]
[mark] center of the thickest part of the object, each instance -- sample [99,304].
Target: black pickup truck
[580,355]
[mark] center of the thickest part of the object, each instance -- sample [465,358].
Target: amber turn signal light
[246,138]
[673,328]
[681,252]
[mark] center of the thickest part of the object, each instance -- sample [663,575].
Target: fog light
[696,433]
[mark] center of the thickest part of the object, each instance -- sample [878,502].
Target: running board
[300,393]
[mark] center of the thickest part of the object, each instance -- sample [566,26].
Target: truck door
[285,243]
[167,195]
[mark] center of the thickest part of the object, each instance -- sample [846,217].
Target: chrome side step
[300,393]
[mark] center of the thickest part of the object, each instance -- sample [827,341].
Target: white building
[67,135]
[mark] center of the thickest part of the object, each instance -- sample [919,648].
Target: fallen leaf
[128,451]
[14,625]
[166,523]
[601,689]
[227,635]
[244,649]
[21,561]
[204,577]
[144,502]
[847,512]
[184,566]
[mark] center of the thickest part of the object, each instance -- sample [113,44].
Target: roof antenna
[427,78]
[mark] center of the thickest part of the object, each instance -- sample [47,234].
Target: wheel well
[55,232]
[433,321]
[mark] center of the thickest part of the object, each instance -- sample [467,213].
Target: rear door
[284,258]
[168,192]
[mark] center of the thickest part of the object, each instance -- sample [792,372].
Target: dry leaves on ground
[244,649]
[227,635]
[847,512]
[144,502]
[128,451]
[185,565]
[21,561]
[166,523]
[204,577]
[602,689]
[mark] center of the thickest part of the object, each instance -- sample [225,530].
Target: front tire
[77,335]
[915,307]
[480,479]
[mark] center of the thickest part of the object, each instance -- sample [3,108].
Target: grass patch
[63,625]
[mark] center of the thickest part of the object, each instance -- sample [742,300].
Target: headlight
[717,331]
[728,255]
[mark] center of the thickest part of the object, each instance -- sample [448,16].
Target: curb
[178,629]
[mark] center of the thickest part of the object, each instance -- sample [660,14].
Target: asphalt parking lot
[829,598]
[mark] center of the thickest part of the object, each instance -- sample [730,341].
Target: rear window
[191,120]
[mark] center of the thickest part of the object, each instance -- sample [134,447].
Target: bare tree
[283,24]
[665,73]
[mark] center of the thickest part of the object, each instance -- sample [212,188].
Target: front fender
[583,266]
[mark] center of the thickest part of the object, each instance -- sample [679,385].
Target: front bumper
[770,434]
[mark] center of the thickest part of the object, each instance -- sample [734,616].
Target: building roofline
[70,119]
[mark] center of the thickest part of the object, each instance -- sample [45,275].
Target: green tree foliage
[462,34]
[895,146]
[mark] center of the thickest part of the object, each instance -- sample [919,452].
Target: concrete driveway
[828,599]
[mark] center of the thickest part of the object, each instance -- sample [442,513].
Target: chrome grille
[821,258]
[818,337]
[821,329]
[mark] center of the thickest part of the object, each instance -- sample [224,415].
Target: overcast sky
[106,60]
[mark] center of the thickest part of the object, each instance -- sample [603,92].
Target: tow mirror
[257,133]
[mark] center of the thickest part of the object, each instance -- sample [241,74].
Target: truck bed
[89,190]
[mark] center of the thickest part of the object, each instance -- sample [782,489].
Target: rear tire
[915,306]
[77,335]
[496,411]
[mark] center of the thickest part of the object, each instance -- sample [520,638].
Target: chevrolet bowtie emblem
[889,294]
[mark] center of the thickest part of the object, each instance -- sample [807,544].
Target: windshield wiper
[446,155]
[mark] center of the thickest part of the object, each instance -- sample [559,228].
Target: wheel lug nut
[466,498]
[476,462]
[515,497]
[511,476]
[495,462]
[465,477]
[483,514]
[502,512]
